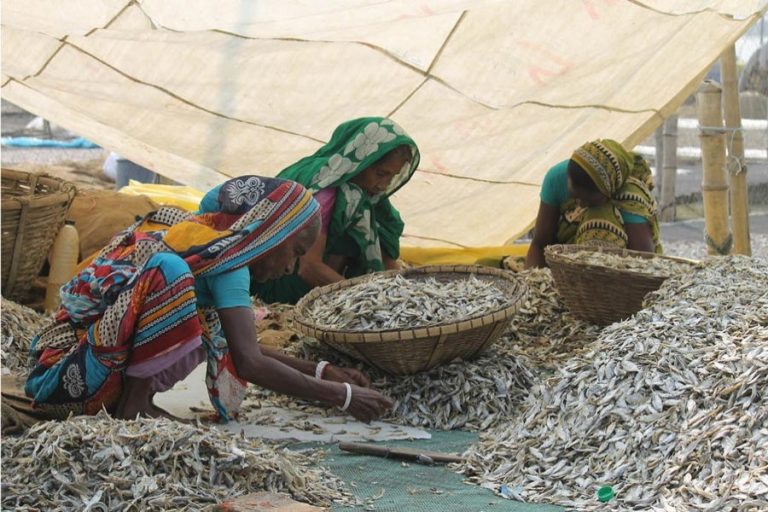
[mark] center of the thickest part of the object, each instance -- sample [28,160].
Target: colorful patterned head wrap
[606,162]
[372,222]
[253,215]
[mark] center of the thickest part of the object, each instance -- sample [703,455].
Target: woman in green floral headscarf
[352,176]
[601,196]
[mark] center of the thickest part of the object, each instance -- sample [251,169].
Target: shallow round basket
[598,294]
[409,351]
[33,211]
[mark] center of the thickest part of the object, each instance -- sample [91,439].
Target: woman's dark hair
[580,178]
[403,151]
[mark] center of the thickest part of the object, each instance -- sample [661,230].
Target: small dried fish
[654,266]
[543,330]
[385,302]
[698,250]
[471,395]
[19,326]
[99,463]
[667,407]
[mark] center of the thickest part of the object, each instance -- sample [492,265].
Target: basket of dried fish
[408,321]
[603,285]
[33,211]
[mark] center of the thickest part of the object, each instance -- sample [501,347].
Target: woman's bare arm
[544,234]
[312,268]
[254,366]
[640,237]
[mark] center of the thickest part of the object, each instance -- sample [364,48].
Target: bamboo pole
[659,159]
[668,177]
[737,166]
[715,184]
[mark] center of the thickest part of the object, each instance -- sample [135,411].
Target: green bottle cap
[605,494]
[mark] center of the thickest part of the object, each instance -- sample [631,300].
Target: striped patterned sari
[134,305]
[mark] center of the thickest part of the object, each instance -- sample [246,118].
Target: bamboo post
[668,177]
[737,166]
[659,159]
[715,184]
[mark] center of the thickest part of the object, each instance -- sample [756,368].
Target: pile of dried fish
[669,407]
[98,463]
[19,325]
[542,330]
[472,395]
[654,266]
[698,250]
[385,302]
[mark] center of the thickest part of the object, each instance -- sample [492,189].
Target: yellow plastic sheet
[173,195]
[491,256]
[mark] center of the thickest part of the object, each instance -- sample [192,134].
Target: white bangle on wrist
[320,368]
[348,399]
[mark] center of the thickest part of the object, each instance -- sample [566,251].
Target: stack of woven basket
[33,210]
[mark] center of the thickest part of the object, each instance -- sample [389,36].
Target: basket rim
[64,189]
[554,254]
[496,315]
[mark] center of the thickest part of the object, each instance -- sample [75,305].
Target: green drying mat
[415,487]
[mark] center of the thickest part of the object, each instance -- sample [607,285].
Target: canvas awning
[494,92]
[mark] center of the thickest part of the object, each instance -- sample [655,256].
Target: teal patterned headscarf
[372,222]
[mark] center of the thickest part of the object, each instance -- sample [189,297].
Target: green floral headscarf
[622,176]
[372,222]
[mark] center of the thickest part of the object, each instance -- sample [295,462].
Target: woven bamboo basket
[598,294]
[33,211]
[409,351]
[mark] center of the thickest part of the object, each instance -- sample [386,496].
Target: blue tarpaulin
[34,142]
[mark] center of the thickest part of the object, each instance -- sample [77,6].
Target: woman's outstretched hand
[368,405]
[356,377]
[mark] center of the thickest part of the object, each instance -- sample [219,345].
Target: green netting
[416,487]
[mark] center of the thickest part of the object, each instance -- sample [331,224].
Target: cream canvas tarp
[494,92]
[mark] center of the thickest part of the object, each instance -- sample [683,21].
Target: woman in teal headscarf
[352,176]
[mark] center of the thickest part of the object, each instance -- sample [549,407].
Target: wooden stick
[715,184]
[399,453]
[737,166]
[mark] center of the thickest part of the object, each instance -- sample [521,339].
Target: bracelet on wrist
[320,368]
[348,398]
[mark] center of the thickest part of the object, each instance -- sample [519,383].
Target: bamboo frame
[715,183]
[737,166]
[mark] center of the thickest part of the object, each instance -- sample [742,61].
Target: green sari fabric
[622,176]
[361,225]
